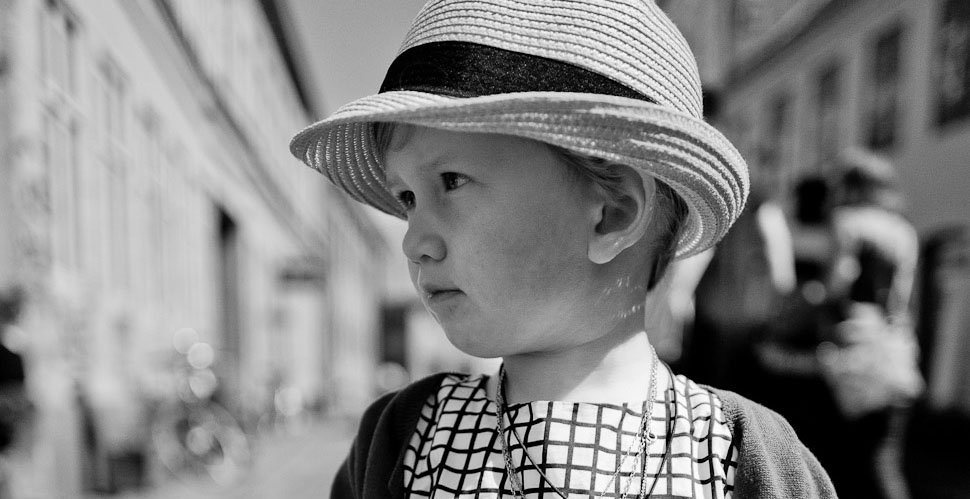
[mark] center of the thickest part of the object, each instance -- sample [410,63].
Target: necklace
[642,442]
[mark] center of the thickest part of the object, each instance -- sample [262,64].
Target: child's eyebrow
[435,163]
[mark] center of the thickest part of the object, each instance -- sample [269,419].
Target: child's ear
[624,216]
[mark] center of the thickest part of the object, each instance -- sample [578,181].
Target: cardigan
[773,463]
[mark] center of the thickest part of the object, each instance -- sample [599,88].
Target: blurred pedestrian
[877,246]
[550,160]
[842,357]
[15,406]
[871,360]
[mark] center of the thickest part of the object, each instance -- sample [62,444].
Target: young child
[550,159]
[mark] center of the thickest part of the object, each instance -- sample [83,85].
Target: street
[296,465]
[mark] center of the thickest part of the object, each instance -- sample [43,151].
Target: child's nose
[422,242]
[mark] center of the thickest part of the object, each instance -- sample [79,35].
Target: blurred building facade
[146,189]
[798,80]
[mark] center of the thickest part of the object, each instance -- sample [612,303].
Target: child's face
[497,238]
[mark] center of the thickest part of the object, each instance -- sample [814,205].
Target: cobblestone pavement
[296,465]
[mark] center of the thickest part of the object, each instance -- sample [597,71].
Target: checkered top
[455,452]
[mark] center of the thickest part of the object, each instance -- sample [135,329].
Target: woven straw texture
[630,41]
[606,37]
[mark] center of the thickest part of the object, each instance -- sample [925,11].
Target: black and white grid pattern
[455,451]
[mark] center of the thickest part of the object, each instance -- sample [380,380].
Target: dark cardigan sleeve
[373,467]
[773,463]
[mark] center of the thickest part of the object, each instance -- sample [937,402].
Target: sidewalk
[294,466]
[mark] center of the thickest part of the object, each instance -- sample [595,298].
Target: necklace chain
[643,437]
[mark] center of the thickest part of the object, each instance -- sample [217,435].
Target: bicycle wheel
[201,441]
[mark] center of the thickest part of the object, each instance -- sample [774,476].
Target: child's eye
[406,198]
[453,180]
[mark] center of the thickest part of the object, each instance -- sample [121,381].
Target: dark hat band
[465,69]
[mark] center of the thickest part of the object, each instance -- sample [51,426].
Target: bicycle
[193,436]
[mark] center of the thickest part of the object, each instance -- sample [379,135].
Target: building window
[778,147]
[953,78]
[882,99]
[58,48]
[173,203]
[58,52]
[112,123]
[146,227]
[828,130]
[752,21]
[60,155]
[777,150]
[156,212]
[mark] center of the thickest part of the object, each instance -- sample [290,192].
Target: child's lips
[439,296]
[442,294]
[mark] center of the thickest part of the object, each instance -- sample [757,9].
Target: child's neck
[612,369]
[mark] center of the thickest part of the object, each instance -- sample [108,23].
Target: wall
[931,160]
[148,189]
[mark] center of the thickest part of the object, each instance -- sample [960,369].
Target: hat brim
[686,153]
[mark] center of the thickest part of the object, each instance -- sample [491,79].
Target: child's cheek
[524,260]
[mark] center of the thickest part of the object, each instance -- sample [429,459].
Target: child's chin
[474,343]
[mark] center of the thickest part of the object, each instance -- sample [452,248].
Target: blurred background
[187,311]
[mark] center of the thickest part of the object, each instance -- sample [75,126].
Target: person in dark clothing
[871,283]
[11,369]
[854,256]
[15,407]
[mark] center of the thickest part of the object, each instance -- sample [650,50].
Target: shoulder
[773,461]
[403,406]
[392,418]
[401,409]
[382,435]
[753,421]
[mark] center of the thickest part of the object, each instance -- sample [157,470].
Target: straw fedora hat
[612,79]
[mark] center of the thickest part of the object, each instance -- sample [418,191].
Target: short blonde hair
[670,208]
